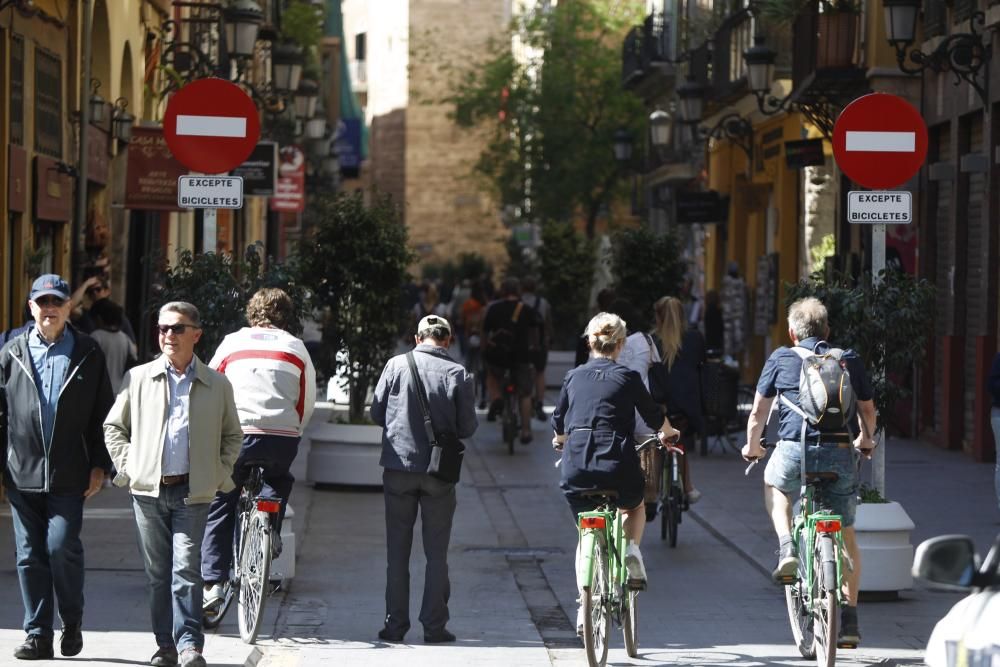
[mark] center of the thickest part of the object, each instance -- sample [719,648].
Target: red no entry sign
[211,126]
[880,141]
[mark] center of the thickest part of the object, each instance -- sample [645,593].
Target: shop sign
[259,171]
[804,153]
[17,180]
[54,194]
[347,143]
[290,191]
[700,208]
[151,179]
[879,207]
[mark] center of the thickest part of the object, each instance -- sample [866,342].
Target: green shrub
[645,267]
[566,259]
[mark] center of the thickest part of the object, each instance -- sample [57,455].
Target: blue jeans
[995,419]
[784,472]
[49,557]
[170,535]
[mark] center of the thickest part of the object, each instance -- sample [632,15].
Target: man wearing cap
[54,394]
[407,486]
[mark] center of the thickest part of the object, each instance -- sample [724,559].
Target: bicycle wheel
[254,571]
[798,611]
[675,504]
[509,424]
[630,622]
[596,616]
[668,483]
[826,606]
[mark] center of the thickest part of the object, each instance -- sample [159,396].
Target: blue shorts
[784,472]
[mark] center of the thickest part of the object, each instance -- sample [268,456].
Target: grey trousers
[404,493]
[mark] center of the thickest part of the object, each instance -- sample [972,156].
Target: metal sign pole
[878,265]
[209,230]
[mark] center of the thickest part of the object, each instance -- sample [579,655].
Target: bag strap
[649,342]
[516,315]
[422,399]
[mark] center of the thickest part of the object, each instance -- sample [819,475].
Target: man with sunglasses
[54,393]
[174,435]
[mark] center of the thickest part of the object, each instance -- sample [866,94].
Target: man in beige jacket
[174,435]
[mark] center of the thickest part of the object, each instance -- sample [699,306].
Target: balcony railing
[632,56]
[647,48]
[935,18]
[733,37]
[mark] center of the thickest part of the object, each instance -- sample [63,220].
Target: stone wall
[446,209]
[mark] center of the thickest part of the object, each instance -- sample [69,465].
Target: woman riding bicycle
[593,421]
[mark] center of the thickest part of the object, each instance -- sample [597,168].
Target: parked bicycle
[815,594]
[255,544]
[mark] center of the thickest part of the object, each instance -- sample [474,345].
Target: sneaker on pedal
[850,635]
[579,620]
[635,567]
[214,595]
[788,563]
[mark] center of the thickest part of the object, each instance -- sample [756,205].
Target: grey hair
[807,318]
[437,332]
[184,308]
[604,332]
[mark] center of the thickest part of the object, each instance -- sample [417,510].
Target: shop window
[17,90]
[48,103]
[42,259]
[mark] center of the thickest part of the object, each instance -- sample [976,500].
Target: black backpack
[826,396]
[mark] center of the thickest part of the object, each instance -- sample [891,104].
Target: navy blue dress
[596,410]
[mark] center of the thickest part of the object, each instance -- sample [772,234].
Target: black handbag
[447,451]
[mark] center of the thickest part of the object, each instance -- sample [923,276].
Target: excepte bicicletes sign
[879,207]
[210,192]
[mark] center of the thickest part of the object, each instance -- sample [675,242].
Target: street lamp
[315,127]
[122,121]
[692,102]
[760,67]
[306,98]
[661,125]
[623,146]
[242,20]
[287,62]
[961,53]
[97,104]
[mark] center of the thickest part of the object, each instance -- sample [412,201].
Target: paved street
[709,601]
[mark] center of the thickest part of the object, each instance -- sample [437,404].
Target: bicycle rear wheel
[826,605]
[668,483]
[675,505]
[596,616]
[254,571]
[630,622]
[798,611]
[509,423]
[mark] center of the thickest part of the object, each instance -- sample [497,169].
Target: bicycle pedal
[637,584]
[847,645]
[786,581]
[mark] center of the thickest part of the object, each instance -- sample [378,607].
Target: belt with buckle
[173,480]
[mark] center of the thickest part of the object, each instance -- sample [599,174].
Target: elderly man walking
[54,394]
[174,435]
[406,454]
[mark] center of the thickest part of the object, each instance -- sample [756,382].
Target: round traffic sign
[211,126]
[880,141]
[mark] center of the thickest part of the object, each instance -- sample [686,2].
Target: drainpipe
[80,219]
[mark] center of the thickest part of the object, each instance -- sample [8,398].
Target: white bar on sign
[212,126]
[883,142]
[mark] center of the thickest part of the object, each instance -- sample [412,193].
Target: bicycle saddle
[255,463]
[600,493]
[821,477]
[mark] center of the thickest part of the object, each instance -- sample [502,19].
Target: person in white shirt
[275,386]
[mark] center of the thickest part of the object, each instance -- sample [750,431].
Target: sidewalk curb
[256,655]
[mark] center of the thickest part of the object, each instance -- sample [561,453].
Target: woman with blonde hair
[682,351]
[594,422]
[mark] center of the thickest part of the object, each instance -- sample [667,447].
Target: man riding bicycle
[511,339]
[274,383]
[826,451]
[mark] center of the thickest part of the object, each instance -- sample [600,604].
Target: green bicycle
[608,593]
[814,595]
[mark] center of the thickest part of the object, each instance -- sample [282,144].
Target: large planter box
[883,531]
[559,363]
[344,454]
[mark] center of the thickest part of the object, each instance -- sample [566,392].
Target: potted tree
[885,323]
[354,262]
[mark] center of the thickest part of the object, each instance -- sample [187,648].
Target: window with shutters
[48,103]
[17,90]
[935,18]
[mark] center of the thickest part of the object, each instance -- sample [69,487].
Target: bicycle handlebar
[653,440]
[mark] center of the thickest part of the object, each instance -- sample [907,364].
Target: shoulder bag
[447,451]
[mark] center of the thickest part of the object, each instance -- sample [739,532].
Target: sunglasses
[49,301]
[176,329]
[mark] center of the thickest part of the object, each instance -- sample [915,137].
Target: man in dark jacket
[54,393]
[406,453]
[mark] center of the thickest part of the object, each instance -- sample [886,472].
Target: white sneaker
[634,565]
[693,496]
[579,620]
[213,596]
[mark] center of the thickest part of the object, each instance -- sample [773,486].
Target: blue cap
[49,284]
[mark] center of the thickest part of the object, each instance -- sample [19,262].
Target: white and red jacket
[273,380]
